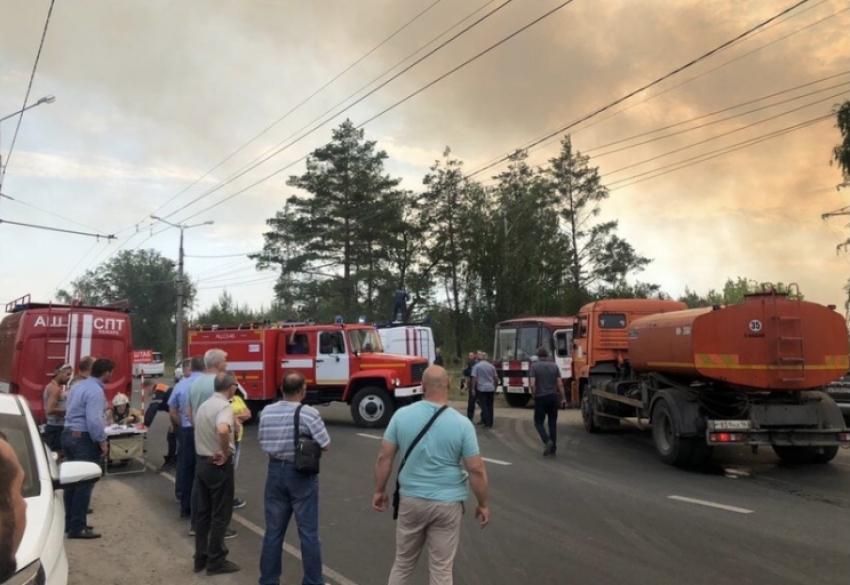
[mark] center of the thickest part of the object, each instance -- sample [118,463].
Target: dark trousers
[53,437]
[171,438]
[77,500]
[214,508]
[185,470]
[485,399]
[471,400]
[546,406]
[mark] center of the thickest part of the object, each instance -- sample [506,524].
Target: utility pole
[181,290]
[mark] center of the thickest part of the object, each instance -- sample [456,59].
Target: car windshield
[19,437]
[365,340]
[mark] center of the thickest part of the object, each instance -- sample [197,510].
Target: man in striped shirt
[287,490]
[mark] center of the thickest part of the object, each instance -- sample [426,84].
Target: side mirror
[73,474]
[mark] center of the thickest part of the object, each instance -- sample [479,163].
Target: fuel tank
[768,342]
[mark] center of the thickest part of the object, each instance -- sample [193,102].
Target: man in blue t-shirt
[433,483]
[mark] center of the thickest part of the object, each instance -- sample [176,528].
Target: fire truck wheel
[372,407]
[588,408]
[517,400]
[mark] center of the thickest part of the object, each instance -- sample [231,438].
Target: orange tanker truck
[752,374]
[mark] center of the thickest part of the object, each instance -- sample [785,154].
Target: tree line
[468,255]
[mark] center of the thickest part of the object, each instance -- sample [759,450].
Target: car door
[332,366]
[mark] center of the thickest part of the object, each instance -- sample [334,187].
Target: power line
[672,167]
[62,217]
[54,229]
[430,84]
[727,133]
[730,108]
[383,84]
[221,255]
[720,66]
[27,95]
[647,86]
[304,101]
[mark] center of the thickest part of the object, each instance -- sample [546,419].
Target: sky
[709,177]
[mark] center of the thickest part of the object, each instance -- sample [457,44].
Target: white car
[41,558]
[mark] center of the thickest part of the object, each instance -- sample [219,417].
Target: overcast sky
[150,95]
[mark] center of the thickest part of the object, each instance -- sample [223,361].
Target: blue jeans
[185,470]
[77,500]
[288,491]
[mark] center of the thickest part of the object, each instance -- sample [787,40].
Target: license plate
[730,425]
[516,389]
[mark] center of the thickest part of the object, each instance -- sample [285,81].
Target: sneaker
[200,565]
[550,448]
[85,534]
[192,533]
[222,568]
[230,533]
[238,503]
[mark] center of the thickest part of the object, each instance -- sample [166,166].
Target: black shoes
[200,565]
[223,568]
[170,463]
[87,534]
[550,448]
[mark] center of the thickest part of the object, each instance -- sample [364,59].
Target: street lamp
[178,349]
[48,99]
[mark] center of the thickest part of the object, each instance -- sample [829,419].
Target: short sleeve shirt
[546,374]
[277,428]
[202,389]
[213,412]
[434,470]
[485,376]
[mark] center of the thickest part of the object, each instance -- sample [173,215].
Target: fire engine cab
[341,363]
[516,346]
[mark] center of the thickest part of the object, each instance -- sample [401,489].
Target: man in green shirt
[215,362]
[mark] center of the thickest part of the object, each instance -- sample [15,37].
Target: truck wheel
[805,455]
[372,407]
[673,449]
[588,410]
[517,400]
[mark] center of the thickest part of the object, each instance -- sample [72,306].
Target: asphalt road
[604,511]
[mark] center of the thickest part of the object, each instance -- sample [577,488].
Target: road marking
[295,552]
[711,504]
[496,461]
[368,436]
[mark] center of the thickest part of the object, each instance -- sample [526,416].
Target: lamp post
[178,350]
[48,99]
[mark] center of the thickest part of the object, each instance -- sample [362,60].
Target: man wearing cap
[55,396]
[84,439]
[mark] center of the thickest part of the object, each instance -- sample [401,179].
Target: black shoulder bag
[407,454]
[307,450]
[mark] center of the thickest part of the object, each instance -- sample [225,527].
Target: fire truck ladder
[58,339]
[789,345]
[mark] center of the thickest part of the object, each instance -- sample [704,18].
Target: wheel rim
[663,432]
[371,408]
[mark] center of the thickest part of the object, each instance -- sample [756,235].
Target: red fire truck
[342,363]
[516,346]
[35,338]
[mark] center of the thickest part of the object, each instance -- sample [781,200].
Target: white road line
[496,461]
[711,504]
[368,436]
[295,552]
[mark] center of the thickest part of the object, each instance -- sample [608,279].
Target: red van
[35,338]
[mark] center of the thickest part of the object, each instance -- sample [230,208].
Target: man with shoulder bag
[294,437]
[432,485]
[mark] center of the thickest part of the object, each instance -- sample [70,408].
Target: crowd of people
[205,432]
